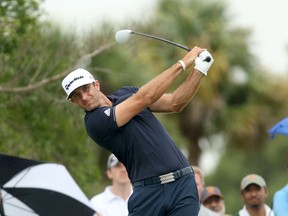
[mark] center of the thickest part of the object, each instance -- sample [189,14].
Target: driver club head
[123,36]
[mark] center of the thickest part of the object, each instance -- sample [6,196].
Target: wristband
[182,64]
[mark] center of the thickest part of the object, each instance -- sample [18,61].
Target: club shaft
[207,59]
[161,39]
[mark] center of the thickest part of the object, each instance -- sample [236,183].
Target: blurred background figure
[280,201]
[213,199]
[254,193]
[113,200]
[199,178]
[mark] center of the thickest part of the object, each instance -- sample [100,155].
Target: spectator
[212,198]
[254,193]
[113,200]
[199,178]
[280,202]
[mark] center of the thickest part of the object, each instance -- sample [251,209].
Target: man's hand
[202,62]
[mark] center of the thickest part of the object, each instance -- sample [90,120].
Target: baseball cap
[210,191]
[76,79]
[252,179]
[112,161]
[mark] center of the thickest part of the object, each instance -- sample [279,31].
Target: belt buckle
[166,178]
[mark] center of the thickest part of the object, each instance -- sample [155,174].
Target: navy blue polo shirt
[143,145]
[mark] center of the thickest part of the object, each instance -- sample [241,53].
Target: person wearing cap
[199,178]
[124,124]
[113,200]
[254,193]
[212,198]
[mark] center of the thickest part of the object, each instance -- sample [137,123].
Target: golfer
[123,123]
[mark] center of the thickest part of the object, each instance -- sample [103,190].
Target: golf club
[122,36]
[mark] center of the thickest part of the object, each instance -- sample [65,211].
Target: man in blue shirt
[280,202]
[123,123]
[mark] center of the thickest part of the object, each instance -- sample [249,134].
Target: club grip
[207,59]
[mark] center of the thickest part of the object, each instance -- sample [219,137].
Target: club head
[123,36]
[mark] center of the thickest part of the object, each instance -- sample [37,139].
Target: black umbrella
[30,188]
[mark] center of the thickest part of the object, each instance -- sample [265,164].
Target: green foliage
[36,119]
[17,18]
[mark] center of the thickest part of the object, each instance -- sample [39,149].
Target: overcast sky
[267,20]
[86,13]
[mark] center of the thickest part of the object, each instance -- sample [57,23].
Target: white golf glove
[202,65]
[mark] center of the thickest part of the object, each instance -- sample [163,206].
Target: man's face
[215,203]
[118,174]
[254,196]
[86,96]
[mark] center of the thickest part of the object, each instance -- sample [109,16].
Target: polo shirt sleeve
[100,124]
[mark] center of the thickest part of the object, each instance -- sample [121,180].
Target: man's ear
[96,84]
[109,174]
[266,192]
[71,100]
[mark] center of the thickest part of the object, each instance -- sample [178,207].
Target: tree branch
[82,61]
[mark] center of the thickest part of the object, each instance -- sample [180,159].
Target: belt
[166,178]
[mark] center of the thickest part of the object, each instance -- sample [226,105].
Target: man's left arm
[177,101]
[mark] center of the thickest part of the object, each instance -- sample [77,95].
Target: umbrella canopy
[280,128]
[33,188]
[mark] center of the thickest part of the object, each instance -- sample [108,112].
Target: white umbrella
[45,189]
